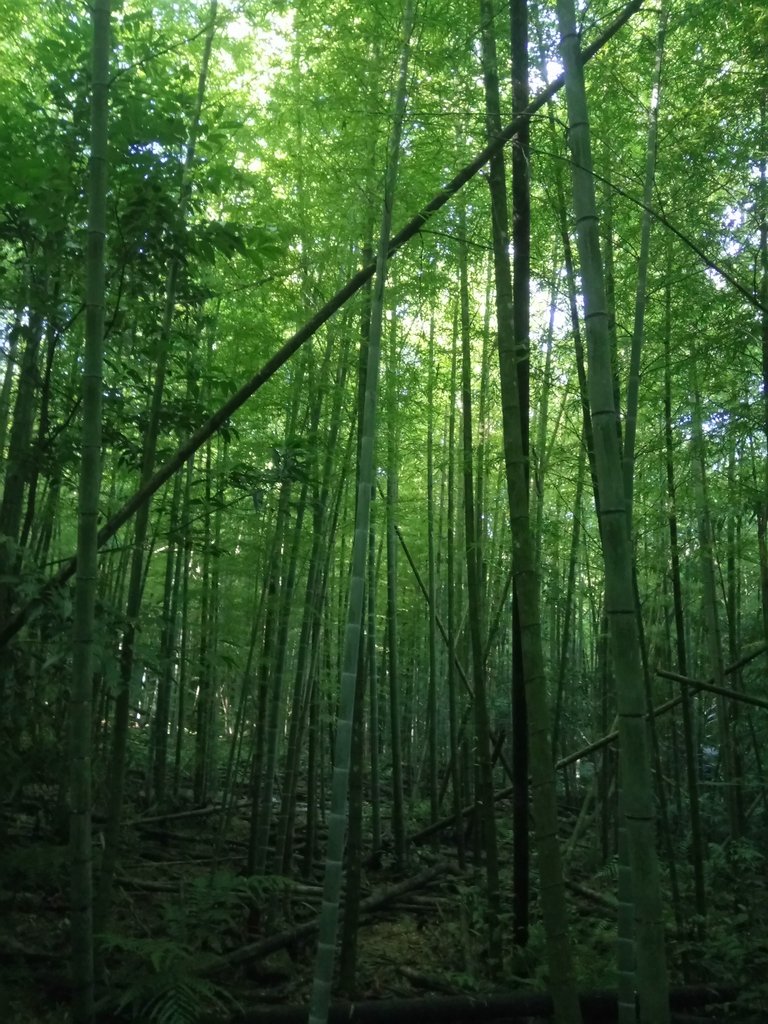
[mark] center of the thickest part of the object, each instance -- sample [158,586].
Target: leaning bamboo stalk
[196,440]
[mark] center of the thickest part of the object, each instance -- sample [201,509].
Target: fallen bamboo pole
[270,944]
[512,1006]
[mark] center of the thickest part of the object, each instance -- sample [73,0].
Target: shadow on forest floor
[183,926]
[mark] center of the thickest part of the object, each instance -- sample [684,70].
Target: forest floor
[191,934]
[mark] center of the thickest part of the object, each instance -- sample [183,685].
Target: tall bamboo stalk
[637,787]
[80,717]
[486,820]
[329,913]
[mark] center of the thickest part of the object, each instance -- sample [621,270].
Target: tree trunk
[485,817]
[328,926]
[457,794]
[80,716]
[637,786]
[432,752]
[135,585]
[711,606]
[393,652]
[562,980]
[521,274]
[633,386]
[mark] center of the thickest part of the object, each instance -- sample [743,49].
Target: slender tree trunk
[633,386]
[43,441]
[354,850]
[313,758]
[186,553]
[565,642]
[206,687]
[18,466]
[733,613]
[80,717]
[11,358]
[266,670]
[486,819]
[394,675]
[328,925]
[711,607]
[135,585]
[162,714]
[637,788]
[323,533]
[374,737]
[432,752]
[481,435]
[521,273]
[543,447]
[562,979]
[762,517]
[234,760]
[458,796]
[276,697]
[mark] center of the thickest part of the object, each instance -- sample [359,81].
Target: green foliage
[735,934]
[164,981]
[211,908]
[530,962]
[738,858]
[281,198]
[162,978]
[32,867]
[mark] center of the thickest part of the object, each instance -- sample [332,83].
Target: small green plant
[212,908]
[528,964]
[163,979]
[737,858]
[734,943]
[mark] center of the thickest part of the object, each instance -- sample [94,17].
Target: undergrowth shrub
[164,978]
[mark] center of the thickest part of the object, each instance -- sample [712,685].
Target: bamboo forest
[384,511]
